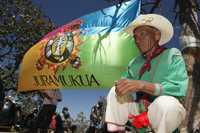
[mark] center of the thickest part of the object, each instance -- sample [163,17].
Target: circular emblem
[60,48]
[60,51]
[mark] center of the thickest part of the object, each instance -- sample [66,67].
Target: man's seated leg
[166,114]
[117,112]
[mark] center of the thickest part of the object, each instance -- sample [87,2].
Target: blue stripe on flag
[111,19]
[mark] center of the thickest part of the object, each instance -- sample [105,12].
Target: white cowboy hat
[154,20]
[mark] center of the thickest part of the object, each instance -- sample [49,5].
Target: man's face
[146,37]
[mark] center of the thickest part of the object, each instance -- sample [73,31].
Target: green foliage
[22,24]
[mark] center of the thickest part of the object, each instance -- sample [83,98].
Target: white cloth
[165,113]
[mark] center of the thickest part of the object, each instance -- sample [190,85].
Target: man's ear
[157,35]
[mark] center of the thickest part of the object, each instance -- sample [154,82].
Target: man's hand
[125,86]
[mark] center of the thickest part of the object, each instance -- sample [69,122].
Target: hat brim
[153,20]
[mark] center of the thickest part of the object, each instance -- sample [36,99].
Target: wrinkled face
[146,37]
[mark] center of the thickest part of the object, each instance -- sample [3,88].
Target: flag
[89,52]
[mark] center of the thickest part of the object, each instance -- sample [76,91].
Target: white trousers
[165,113]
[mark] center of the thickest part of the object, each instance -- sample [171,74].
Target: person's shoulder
[173,52]
[173,55]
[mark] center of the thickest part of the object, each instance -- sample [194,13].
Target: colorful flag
[90,52]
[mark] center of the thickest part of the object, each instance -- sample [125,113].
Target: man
[50,101]
[66,118]
[147,95]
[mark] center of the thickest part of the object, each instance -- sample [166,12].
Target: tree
[190,40]
[22,24]
[81,122]
[28,102]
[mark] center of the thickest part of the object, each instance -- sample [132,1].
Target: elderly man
[147,95]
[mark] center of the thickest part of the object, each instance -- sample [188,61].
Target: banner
[90,52]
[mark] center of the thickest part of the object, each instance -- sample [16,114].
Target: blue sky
[80,100]
[64,11]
